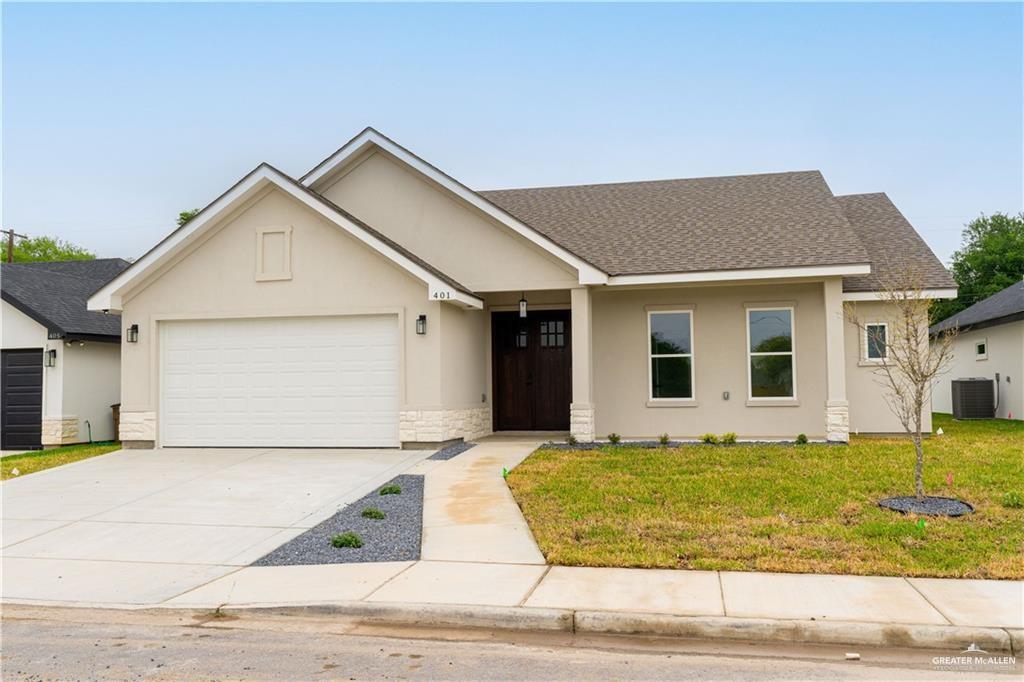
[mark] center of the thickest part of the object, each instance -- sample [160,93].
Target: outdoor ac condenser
[973,398]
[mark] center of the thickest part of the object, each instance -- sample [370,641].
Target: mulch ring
[929,506]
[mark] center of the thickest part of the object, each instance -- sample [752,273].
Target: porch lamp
[51,358]
[522,306]
[133,334]
[421,324]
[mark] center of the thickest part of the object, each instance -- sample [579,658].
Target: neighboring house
[989,344]
[60,363]
[376,302]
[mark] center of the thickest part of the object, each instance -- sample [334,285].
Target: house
[378,301]
[60,363]
[989,344]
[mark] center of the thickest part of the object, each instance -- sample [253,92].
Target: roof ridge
[655,181]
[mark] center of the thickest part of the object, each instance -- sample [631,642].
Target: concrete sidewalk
[481,567]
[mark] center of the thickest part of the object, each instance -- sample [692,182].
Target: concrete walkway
[478,553]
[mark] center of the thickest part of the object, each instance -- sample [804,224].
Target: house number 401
[442,295]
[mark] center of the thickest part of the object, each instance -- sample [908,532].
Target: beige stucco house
[377,301]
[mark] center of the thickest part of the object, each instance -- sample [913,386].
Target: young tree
[37,249]
[911,361]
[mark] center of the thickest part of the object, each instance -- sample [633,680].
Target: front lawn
[786,508]
[37,460]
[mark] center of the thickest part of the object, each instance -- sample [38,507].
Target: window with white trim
[671,354]
[981,350]
[771,361]
[876,338]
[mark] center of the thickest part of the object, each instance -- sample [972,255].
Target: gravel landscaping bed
[671,444]
[394,538]
[929,506]
[451,451]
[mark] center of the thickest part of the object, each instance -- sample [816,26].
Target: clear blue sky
[116,117]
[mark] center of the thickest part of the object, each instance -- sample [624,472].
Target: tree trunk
[919,468]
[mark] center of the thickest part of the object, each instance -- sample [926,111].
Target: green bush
[614,438]
[1013,500]
[571,440]
[373,513]
[729,438]
[391,490]
[709,439]
[801,439]
[347,540]
[663,439]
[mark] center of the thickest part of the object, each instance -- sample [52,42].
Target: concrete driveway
[141,526]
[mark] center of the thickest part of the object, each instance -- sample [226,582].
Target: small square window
[875,341]
[552,334]
[981,350]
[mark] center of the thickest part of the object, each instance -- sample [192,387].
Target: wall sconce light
[133,334]
[522,306]
[421,324]
[51,358]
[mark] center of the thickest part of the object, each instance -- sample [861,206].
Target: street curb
[424,615]
[904,635]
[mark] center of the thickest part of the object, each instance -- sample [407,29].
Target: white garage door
[282,382]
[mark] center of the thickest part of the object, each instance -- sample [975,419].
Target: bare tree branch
[911,360]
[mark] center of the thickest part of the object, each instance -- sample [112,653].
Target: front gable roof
[440,286]
[323,172]
[54,294]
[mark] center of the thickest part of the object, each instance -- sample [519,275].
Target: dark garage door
[21,399]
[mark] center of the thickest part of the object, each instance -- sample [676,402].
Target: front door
[532,360]
[21,399]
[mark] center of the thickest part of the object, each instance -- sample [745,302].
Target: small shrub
[347,540]
[614,438]
[1013,500]
[801,439]
[663,439]
[373,513]
[729,438]
[571,440]
[391,490]
[709,439]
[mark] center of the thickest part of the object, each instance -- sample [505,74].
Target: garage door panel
[300,382]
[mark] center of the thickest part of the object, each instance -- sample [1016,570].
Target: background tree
[186,216]
[912,360]
[990,259]
[36,249]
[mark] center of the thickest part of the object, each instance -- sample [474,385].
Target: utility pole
[11,234]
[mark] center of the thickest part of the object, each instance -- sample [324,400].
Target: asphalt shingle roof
[55,294]
[720,223]
[1008,303]
[891,243]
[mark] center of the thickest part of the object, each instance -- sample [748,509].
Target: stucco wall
[441,229]
[332,274]
[91,384]
[620,346]
[18,330]
[1005,356]
[463,361]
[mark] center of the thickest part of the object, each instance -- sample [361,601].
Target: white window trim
[791,352]
[651,356]
[977,355]
[864,356]
[286,274]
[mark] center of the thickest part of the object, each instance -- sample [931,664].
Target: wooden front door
[532,361]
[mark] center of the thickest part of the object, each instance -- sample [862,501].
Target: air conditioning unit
[973,398]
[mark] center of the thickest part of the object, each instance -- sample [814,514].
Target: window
[875,339]
[552,334]
[671,355]
[770,344]
[981,350]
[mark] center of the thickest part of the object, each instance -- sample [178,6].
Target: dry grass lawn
[37,460]
[797,509]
